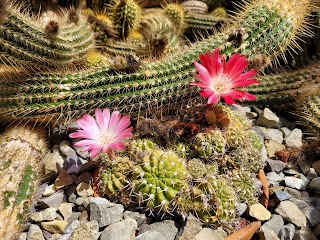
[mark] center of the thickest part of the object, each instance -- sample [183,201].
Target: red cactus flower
[219,78]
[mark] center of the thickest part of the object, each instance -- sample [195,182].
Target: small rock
[241,209]
[166,227]
[74,216]
[316,230]
[304,234]
[260,131]
[300,183]
[105,212]
[312,174]
[291,213]
[275,223]
[84,177]
[268,119]
[300,204]
[193,227]
[49,190]
[53,201]
[23,236]
[316,166]
[272,147]
[84,215]
[290,171]
[304,167]
[150,235]
[274,179]
[312,214]
[294,139]
[274,134]
[259,212]
[286,131]
[275,189]
[276,165]
[315,185]
[52,164]
[293,192]
[84,190]
[65,148]
[282,196]
[267,233]
[87,231]
[79,201]
[55,226]
[66,210]
[57,236]
[48,214]
[124,230]
[71,227]
[35,233]
[208,233]
[287,232]
[252,115]
[63,180]
[140,218]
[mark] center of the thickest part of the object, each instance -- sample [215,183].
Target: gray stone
[267,233]
[71,227]
[35,233]
[300,183]
[304,234]
[79,201]
[49,190]
[252,115]
[287,232]
[274,134]
[290,171]
[274,179]
[282,196]
[74,216]
[241,209]
[312,214]
[293,192]
[272,147]
[48,214]
[316,166]
[87,231]
[300,203]
[316,230]
[66,210]
[124,230]
[208,233]
[268,119]
[304,194]
[139,217]
[259,131]
[304,167]
[53,201]
[61,237]
[65,148]
[193,227]
[276,165]
[105,212]
[275,223]
[150,235]
[52,164]
[63,180]
[286,131]
[291,213]
[312,174]
[167,228]
[55,226]
[315,185]
[294,139]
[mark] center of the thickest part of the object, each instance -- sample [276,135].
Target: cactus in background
[144,146]
[126,17]
[157,178]
[55,97]
[175,13]
[42,43]
[22,149]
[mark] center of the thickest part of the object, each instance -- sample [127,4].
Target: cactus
[126,17]
[142,146]
[195,6]
[158,178]
[175,13]
[55,97]
[210,145]
[198,169]
[40,43]
[22,149]
[113,175]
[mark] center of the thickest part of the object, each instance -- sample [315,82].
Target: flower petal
[249,96]
[244,83]
[229,100]
[87,142]
[82,134]
[214,99]
[100,119]
[212,62]
[203,74]
[94,152]
[115,117]
[207,92]
[245,76]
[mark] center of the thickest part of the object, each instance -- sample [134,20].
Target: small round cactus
[175,13]
[140,147]
[198,169]
[210,145]
[158,179]
[114,175]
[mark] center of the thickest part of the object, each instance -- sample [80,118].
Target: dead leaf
[265,188]
[245,233]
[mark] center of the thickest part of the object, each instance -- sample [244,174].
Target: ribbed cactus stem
[268,28]
[21,151]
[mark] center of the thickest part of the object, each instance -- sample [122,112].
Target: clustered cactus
[209,177]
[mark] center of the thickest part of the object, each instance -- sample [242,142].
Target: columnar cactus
[21,152]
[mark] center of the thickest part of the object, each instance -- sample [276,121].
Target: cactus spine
[63,96]
[22,149]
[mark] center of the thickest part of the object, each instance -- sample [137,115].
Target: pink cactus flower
[103,134]
[219,78]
